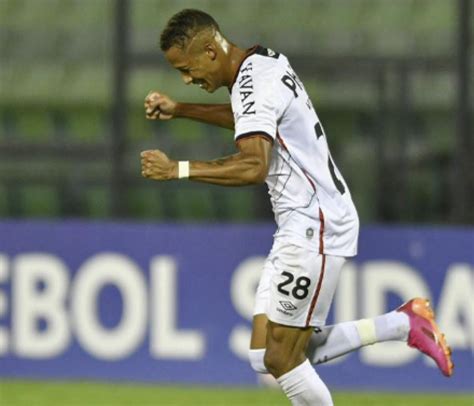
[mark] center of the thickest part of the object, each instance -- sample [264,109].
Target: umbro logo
[287,305]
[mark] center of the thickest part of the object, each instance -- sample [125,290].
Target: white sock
[303,387]
[392,326]
[333,341]
[256,360]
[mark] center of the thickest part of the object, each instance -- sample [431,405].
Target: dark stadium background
[390,80]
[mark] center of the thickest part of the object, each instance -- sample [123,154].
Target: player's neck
[235,58]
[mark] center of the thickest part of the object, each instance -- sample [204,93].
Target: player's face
[198,68]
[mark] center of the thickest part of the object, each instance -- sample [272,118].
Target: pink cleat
[425,334]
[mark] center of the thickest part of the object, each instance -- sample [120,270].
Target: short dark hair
[185,25]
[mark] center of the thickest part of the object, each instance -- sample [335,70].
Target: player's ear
[211,51]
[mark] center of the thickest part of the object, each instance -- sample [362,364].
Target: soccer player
[281,141]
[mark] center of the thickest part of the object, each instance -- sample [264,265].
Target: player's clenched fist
[159,106]
[156,165]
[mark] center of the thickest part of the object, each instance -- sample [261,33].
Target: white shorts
[297,286]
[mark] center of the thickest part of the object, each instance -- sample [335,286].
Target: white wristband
[183,169]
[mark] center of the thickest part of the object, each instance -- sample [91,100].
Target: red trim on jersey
[248,53]
[321,231]
[282,142]
[309,180]
[318,290]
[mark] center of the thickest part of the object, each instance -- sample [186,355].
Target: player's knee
[256,360]
[276,362]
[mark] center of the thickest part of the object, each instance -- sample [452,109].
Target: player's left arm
[248,166]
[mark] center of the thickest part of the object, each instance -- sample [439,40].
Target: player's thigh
[262,296]
[259,332]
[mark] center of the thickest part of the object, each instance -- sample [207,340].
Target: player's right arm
[248,166]
[159,106]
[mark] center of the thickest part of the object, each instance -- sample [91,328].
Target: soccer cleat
[425,334]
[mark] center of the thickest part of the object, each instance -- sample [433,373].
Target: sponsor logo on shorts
[287,305]
[284,312]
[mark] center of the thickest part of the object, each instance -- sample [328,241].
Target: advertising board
[173,303]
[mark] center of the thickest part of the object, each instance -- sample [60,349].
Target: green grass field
[19,393]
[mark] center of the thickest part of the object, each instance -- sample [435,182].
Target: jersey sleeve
[256,103]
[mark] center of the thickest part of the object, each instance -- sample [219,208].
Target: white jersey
[311,201]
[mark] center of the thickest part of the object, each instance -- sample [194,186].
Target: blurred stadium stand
[390,81]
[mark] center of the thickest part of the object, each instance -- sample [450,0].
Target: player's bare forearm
[216,114]
[233,170]
[159,106]
[248,166]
